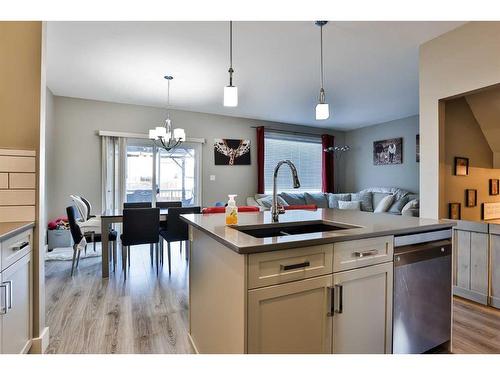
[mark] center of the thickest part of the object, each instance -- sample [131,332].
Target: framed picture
[417,143]
[455,211]
[388,151]
[232,151]
[494,186]
[461,166]
[470,197]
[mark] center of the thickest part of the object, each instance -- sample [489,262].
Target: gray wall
[360,171]
[75,167]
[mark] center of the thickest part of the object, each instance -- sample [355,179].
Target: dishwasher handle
[421,252]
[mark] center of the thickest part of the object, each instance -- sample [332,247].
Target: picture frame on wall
[388,151]
[232,151]
[461,166]
[455,211]
[494,186]
[470,197]
[417,145]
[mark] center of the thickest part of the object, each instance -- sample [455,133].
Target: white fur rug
[66,253]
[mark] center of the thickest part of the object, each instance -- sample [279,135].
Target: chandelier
[165,136]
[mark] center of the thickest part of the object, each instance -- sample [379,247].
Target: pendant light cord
[231,70]
[321,53]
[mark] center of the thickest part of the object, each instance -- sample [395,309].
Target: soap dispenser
[231,211]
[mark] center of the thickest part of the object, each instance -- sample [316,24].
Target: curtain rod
[287,131]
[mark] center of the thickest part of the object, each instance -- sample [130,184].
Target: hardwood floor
[476,328]
[148,314]
[145,314]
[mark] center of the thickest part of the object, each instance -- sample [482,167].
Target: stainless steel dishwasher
[422,291]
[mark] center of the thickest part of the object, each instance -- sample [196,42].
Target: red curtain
[327,167]
[260,160]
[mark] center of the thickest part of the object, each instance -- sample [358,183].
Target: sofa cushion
[333,199]
[349,205]
[319,199]
[411,205]
[384,204]
[366,199]
[293,199]
[398,205]
[267,201]
[377,197]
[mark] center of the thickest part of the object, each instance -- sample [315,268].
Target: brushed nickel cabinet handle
[3,307]
[331,293]
[340,294]
[361,254]
[9,282]
[294,266]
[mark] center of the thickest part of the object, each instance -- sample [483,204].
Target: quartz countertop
[8,230]
[369,225]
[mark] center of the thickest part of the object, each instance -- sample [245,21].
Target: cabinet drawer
[16,247]
[295,264]
[359,253]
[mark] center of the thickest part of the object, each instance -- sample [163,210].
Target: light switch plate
[212,177]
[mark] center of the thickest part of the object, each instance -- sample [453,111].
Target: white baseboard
[40,344]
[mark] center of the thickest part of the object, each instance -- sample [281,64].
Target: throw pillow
[293,199]
[384,204]
[319,199]
[413,204]
[366,199]
[267,201]
[352,205]
[333,199]
[398,205]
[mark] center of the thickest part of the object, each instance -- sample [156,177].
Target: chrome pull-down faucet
[275,210]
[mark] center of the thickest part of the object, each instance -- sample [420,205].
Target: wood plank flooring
[145,314]
[148,314]
[476,328]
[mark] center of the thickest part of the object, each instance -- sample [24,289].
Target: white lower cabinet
[291,317]
[347,312]
[362,320]
[495,271]
[15,307]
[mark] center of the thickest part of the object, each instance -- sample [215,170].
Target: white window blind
[304,151]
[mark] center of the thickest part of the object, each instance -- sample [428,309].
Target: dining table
[109,217]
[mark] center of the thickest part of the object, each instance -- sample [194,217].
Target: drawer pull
[340,294]
[20,246]
[361,254]
[295,266]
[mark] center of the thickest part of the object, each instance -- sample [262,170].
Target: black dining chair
[77,235]
[166,205]
[176,230]
[141,226]
[137,205]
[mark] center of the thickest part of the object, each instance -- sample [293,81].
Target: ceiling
[371,68]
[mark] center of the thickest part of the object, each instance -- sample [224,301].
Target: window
[304,151]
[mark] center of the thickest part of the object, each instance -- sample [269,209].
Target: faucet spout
[275,211]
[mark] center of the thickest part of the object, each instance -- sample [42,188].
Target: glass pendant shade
[322,111]
[152,133]
[180,134]
[230,96]
[161,132]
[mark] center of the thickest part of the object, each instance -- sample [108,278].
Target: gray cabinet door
[362,322]
[495,270]
[291,318]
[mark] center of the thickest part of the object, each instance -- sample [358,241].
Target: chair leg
[114,256]
[157,260]
[78,258]
[151,254]
[124,261]
[93,240]
[186,249]
[168,255]
[85,249]
[161,251]
[74,258]
[128,255]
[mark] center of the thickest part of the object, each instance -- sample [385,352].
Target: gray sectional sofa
[377,199]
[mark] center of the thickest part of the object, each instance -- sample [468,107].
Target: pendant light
[164,136]
[322,108]
[230,92]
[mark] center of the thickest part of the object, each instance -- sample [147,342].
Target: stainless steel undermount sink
[288,229]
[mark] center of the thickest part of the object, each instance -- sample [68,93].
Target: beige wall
[75,166]
[463,137]
[20,51]
[462,60]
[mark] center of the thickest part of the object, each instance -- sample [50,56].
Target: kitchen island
[316,282]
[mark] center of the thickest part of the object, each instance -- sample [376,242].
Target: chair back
[168,204]
[177,230]
[81,207]
[140,226]
[74,228]
[88,205]
[137,205]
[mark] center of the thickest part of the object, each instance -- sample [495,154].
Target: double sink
[289,229]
